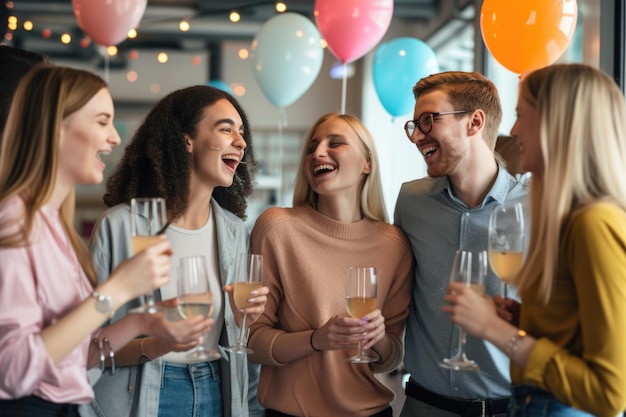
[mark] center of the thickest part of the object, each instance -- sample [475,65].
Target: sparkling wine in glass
[361,289]
[469,268]
[195,298]
[506,241]
[148,219]
[248,277]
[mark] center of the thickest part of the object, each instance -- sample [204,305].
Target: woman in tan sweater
[305,336]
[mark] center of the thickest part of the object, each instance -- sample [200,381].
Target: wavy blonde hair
[29,156]
[582,135]
[372,200]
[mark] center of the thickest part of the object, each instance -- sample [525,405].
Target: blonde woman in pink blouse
[60,122]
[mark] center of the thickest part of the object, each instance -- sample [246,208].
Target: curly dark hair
[156,162]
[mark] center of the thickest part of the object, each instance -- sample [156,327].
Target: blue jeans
[193,390]
[528,401]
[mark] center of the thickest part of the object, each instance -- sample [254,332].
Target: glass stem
[242,331]
[462,340]
[504,290]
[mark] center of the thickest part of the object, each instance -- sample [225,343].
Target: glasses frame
[431,116]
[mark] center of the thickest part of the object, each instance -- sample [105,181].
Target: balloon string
[282,122]
[106,67]
[343,88]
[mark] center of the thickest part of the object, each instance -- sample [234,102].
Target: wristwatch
[104,303]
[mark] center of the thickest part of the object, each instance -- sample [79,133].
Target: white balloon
[287,57]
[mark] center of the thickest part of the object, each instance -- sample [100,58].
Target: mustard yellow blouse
[580,355]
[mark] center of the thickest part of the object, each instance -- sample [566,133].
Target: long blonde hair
[29,156]
[372,201]
[582,135]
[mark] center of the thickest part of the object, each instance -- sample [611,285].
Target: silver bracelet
[98,343]
[111,355]
[101,344]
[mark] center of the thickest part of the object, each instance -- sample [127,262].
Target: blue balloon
[398,66]
[287,57]
[221,85]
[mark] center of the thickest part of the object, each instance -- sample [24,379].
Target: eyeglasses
[425,122]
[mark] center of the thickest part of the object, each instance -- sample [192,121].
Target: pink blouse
[39,284]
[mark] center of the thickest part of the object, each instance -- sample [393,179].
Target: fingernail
[363,321]
[253,292]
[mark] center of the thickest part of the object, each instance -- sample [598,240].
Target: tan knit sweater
[305,258]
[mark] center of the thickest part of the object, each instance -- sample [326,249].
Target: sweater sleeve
[594,247]
[265,330]
[396,305]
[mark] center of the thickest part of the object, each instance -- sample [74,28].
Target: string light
[28,25]
[243,53]
[66,38]
[281,7]
[132,34]
[162,57]
[234,16]
[132,76]
[112,50]
[184,26]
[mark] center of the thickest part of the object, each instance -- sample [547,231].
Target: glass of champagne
[469,268]
[148,219]
[248,277]
[506,241]
[361,289]
[195,298]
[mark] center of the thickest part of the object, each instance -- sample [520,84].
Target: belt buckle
[483,407]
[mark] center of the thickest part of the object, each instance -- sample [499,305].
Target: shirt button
[467,214]
[193,369]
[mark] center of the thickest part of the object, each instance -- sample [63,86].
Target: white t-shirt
[202,241]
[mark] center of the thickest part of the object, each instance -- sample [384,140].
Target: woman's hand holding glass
[195,298]
[148,221]
[141,274]
[247,297]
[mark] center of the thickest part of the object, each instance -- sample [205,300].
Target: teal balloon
[398,66]
[286,57]
[221,85]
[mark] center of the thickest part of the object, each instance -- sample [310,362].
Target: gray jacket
[134,390]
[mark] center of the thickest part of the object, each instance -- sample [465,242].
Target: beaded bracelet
[311,341]
[515,343]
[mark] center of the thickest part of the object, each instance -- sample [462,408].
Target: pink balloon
[107,22]
[352,27]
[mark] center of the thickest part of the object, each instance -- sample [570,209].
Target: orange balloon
[524,35]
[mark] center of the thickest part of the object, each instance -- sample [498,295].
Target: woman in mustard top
[567,351]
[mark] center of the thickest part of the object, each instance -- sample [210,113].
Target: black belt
[387,412]
[478,407]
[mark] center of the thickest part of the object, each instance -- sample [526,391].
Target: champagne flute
[469,268]
[249,277]
[506,241]
[148,219]
[195,298]
[361,289]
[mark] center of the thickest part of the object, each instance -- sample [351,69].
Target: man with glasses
[455,127]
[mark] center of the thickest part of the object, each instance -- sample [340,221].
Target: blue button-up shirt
[437,224]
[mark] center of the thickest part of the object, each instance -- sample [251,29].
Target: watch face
[104,304]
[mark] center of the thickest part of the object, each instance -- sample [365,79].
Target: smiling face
[446,145]
[85,135]
[335,162]
[526,130]
[218,145]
